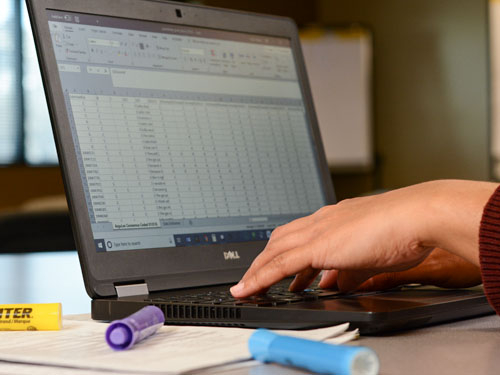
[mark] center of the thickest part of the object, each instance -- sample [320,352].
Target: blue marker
[123,334]
[319,357]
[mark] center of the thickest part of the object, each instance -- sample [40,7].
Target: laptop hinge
[132,290]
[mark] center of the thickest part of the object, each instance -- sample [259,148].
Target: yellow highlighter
[31,317]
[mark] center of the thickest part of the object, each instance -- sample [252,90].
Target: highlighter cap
[120,336]
[123,334]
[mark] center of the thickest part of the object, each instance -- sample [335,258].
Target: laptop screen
[184,136]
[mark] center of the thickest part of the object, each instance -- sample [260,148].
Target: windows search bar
[203,83]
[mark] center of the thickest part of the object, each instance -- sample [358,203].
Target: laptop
[185,135]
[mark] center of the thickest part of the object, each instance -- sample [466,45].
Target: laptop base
[372,313]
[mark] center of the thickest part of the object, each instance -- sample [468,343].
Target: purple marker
[122,334]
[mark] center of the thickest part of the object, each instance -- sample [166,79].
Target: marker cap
[123,334]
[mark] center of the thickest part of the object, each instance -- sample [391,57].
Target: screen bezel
[163,268]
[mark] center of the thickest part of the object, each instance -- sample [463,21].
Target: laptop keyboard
[277,295]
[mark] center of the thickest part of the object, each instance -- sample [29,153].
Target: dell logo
[230,255]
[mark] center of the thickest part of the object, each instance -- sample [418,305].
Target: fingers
[388,281]
[329,239]
[278,244]
[303,279]
[282,240]
[378,282]
[293,226]
[359,281]
[350,280]
[328,279]
[441,268]
[446,270]
[278,268]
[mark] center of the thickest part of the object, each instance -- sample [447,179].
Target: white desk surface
[469,347]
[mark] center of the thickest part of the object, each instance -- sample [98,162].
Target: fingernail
[238,288]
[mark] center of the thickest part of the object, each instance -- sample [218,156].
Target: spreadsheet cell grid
[246,154]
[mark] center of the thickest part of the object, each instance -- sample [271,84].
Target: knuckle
[345,202]
[322,210]
[258,281]
[276,232]
[278,263]
[272,247]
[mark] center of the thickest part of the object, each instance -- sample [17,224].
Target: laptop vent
[190,312]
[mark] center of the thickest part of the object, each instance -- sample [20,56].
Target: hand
[364,237]
[440,268]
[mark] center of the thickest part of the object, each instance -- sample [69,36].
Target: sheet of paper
[8,368]
[342,96]
[173,349]
[343,338]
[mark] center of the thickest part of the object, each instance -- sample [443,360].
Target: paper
[339,67]
[7,368]
[173,349]
[342,339]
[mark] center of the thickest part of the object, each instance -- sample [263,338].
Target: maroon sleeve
[489,250]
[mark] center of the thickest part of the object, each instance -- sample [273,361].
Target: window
[10,97]
[38,138]
[25,133]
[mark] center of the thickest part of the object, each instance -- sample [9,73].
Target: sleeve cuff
[489,249]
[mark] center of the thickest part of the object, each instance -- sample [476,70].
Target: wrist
[453,215]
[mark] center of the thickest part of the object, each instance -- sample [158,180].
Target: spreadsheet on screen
[184,135]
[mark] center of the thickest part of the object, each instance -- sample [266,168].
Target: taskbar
[181,240]
[211,238]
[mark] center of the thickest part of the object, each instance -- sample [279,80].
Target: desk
[467,347]
[470,347]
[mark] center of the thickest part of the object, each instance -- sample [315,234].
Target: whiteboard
[339,66]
